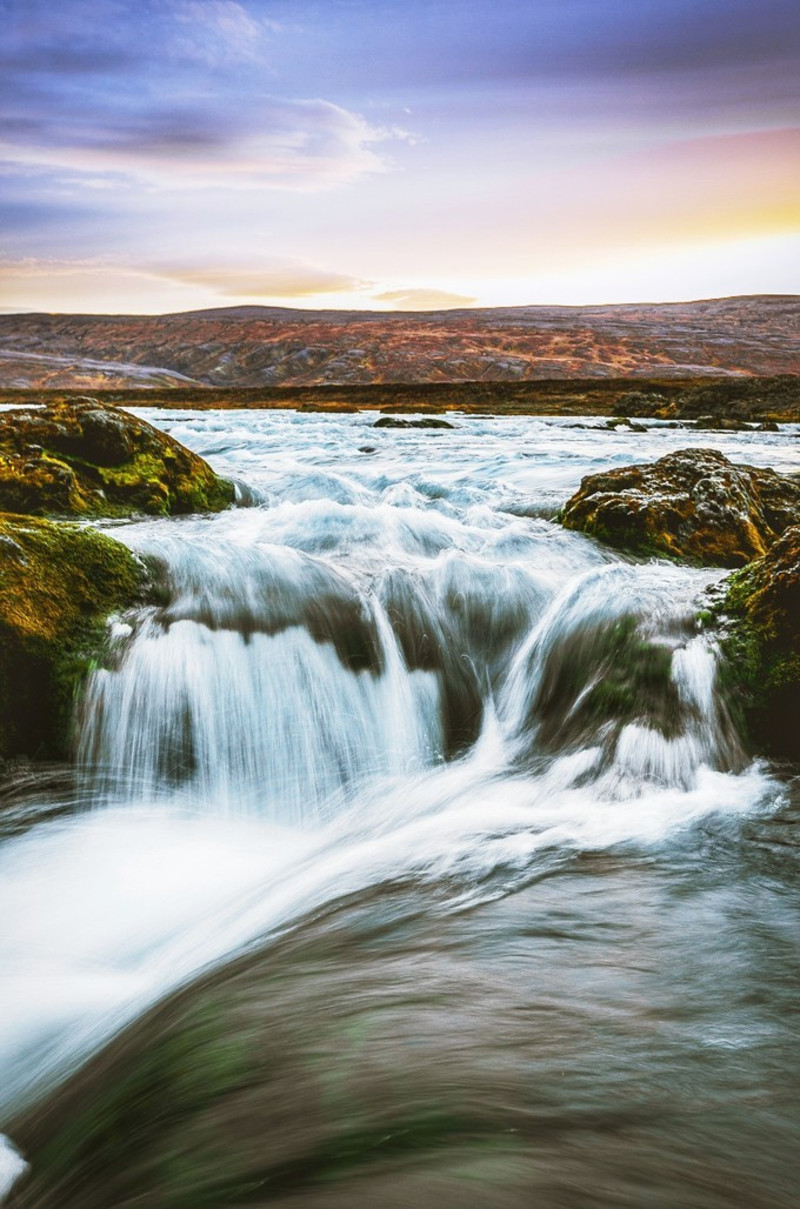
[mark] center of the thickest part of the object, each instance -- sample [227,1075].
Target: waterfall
[272,684]
[275,695]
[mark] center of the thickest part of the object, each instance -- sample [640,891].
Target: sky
[167,155]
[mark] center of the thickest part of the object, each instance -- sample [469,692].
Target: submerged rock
[599,677]
[722,424]
[619,423]
[396,422]
[85,458]
[761,644]
[692,505]
[58,584]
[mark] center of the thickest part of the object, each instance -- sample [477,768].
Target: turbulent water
[412,856]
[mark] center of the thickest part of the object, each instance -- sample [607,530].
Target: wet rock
[760,616]
[58,584]
[618,422]
[84,458]
[395,422]
[693,505]
[598,678]
[721,424]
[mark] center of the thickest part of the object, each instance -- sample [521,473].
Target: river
[411,856]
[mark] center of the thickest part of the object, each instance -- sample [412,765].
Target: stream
[411,855]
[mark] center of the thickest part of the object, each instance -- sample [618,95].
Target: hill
[252,347]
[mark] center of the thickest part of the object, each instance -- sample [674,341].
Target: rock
[619,422]
[395,422]
[721,424]
[598,678]
[58,584]
[761,644]
[84,458]
[642,403]
[693,505]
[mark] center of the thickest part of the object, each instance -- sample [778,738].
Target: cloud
[304,144]
[424,299]
[171,93]
[216,31]
[117,285]
[289,280]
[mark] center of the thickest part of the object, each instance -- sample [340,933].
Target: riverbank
[755,399]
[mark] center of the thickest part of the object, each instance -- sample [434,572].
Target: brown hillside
[262,346]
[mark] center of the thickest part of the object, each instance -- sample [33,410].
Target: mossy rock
[85,458]
[761,645]
[693,506]
[58,585]
[598,678]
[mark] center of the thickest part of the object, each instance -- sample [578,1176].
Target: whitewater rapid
[362,676]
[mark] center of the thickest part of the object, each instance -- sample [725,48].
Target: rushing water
[412,855]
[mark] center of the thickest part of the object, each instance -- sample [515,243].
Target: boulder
[759,613]
[58,585]
[693,505]
[85,458]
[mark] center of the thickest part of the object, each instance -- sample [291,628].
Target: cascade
[388,706]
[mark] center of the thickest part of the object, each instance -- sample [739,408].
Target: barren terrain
[263,347]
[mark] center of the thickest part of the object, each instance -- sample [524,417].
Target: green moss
[605,674]
[760,640]
[59,583]
[126,1127]
[85,459]
[672,508]
[761,684]
[635,675]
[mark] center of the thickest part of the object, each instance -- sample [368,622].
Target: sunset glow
[175,154]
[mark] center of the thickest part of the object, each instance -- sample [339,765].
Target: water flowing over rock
[412,854]
[693,504]
[86,458]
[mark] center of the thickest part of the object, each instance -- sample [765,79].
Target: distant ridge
[255,346]
[531,310]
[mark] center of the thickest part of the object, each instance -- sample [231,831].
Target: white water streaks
[12,1166]
[344,686]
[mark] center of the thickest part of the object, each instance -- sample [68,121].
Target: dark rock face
[761,642]
[99,435]
[85,458]
[58,583]
[734,404]
[691,505]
